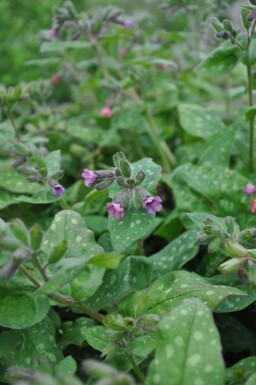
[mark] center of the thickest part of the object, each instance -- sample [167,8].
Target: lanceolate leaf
[188,349]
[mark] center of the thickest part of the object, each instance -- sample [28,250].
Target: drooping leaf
[188,349]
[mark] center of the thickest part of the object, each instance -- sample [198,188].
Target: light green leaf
[25,348]
[198,121]
[52,161]
[96,337]
[67,365]
[72,332]
[107,260]
[221,61]
[60,46]
[251,380]
[126,119]
[142,346]
[172,289]
[219,148]
[132,274]
[176,254]
[19,310]
[188,348]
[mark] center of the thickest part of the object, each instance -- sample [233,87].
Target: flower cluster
[130,195]
[249,190]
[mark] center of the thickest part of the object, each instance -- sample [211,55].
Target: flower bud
[212,230]
[34,178]
[139,178]
[36,235]
[56,79]
[19,230]
[251,15]
[203,239]
[228,26]
[151,319]
[230,224]
[104,174]
[139,197]
[124,198]
[19,162]
[230,266]
[98,369]
[223,35]
[117,157]
[57,252]
[23,149]
[104,184]
[217,25]
[214,245]
[28,170]
[121,182]
[235,250]
[125,168]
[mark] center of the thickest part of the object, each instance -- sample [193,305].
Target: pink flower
[253,206]
[249,189]
[106,112]
[164,67]
[53,33]
[153,204]
[128,24]
[123,51]
[116,210]
[58,190]
[56,79]
[89,177]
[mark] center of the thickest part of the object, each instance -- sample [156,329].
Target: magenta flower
[249,189]
[116,210]
[153,204]
[106,112]
[89,177]
[58,190]
[128,24]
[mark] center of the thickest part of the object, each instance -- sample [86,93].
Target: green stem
[63,204]
[12,120]
[65,300]
[136,368]
[140,247]
[41,269]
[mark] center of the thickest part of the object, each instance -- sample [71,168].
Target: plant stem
[65,300]
[12,120]
[250,97]
[63,204]
[41,269]
[140,247]
[136,368]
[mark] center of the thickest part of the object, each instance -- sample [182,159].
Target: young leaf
[188,348]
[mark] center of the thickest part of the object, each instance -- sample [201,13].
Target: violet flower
[58,190]
[153,204]
[128,24]
[249,189]
[89,177]
[116,210]
[53,33]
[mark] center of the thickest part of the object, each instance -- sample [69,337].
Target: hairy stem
[65,300]
[140,247]
[136,368]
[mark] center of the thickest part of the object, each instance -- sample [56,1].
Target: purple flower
[53,33]
[89,177]
[128,24]
[249,189]
[58,190]
[116,210]
[153,204]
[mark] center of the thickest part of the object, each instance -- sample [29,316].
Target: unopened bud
[235,250]
[19,230]
[230,224]
[228,26]
[34,178]
[104,184]
[139,178]
[139,197]
[230,266]
[212,230]
[23,149]
[151,319]
[18,162]
[57,252]
[223,35]
[125,168]
[121,182]
[98,369]
[202,239]
[104,173]
[216,24]
[124,198]
[117,157]
[251,15]
[214,245]
[36,235]
[28,170]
